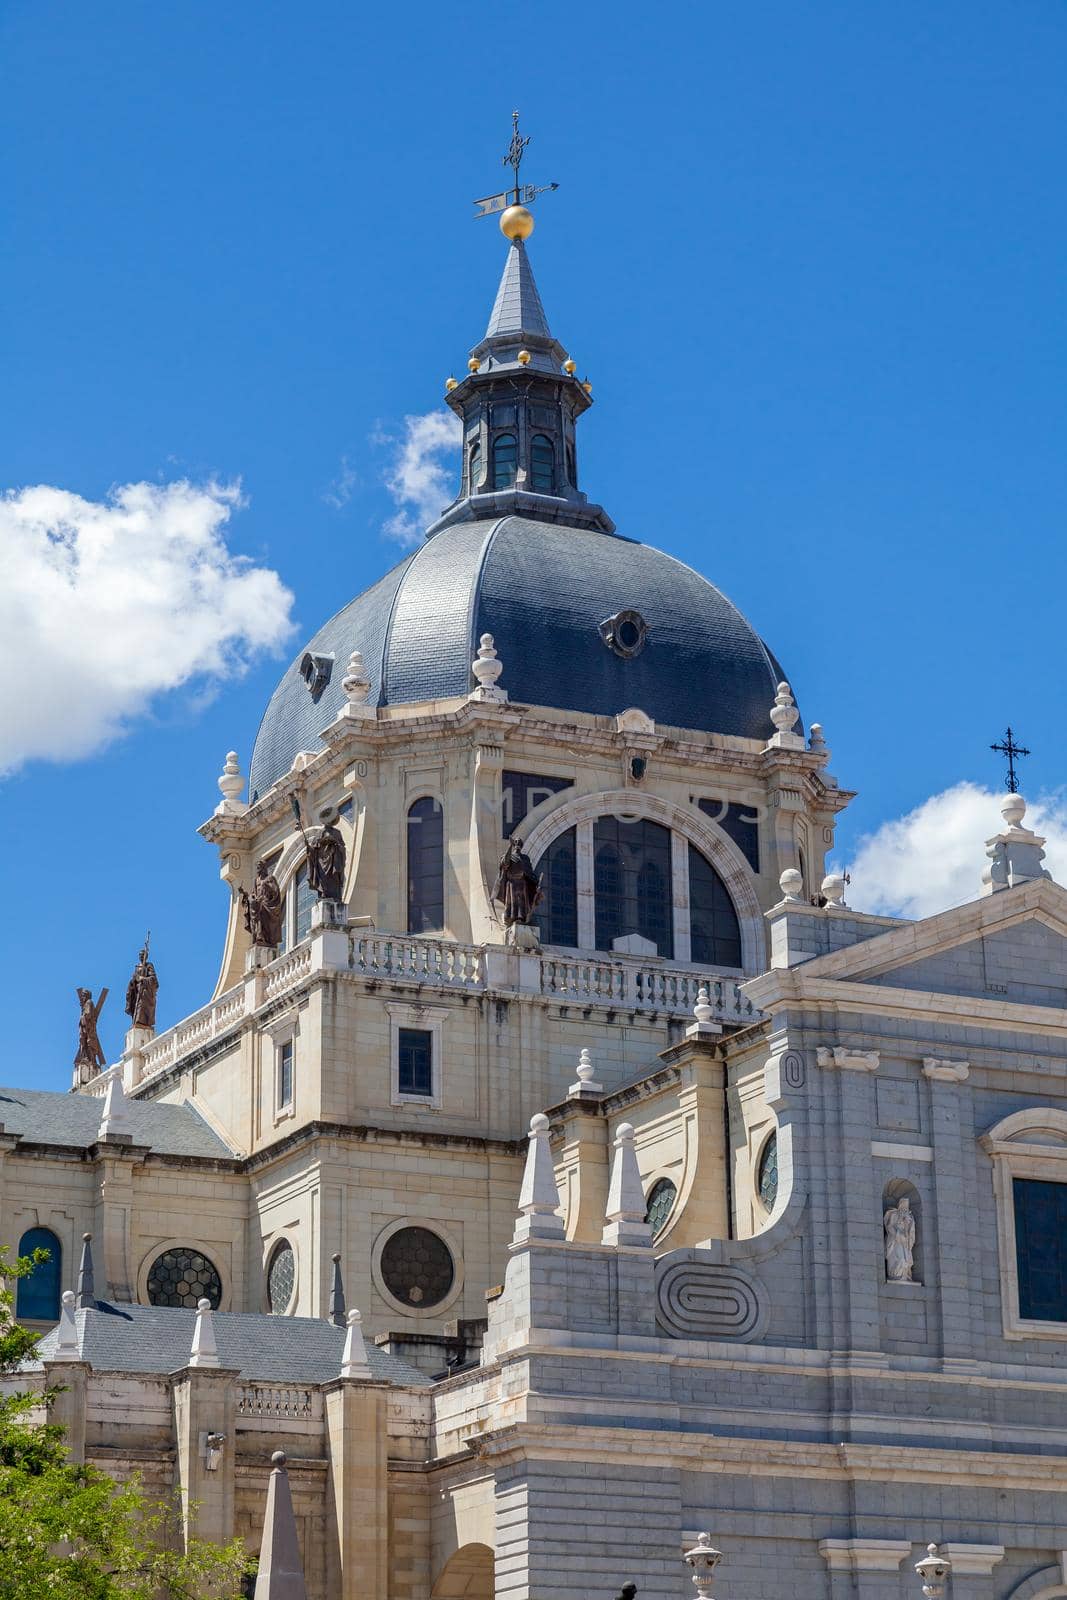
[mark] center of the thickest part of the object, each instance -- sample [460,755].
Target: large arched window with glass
[505,460]
[542,464]
[714,931]
[426,866]
[474,468]
[632,884]
[38,1293]
[557,912]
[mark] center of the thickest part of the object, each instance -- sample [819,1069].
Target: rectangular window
[285,1075]
[1041,1249]
[739,823]
[520,792]
[415,1062]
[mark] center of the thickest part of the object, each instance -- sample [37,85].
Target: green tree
[67,1530]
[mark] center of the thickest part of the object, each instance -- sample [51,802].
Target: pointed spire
[337,1294]
[624,1221]
[354,1363]
[86,1295]
[539,1216]
[204,1351]
[281,1572]
[116,1115]
[517,307]
[67,1331]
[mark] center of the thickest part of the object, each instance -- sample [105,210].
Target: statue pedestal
[260,955]
[329,914]
[522,936]
[136,1039]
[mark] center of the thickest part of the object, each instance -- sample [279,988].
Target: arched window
[474,468]
[183,1276]
[632,868]
[542,464]
[715,933]
[557,913]
[505,461]
[660,1204]
[426,866]
[767,1173]
[38,1294]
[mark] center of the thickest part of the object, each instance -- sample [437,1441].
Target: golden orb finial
[450,384]
[516,223]
[523,358]
[473,364]
[587,386]
[570,367]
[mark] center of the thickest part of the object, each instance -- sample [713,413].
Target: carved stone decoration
[852,1060]
[326,859]
[263,909]
[356,686]
[518,886]
[231,783]
[141,992]
[701,1299]
[487,668]
[793,1069]
[899,1225]
[90,1057]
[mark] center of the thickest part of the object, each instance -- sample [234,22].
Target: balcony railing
[640,986]
[281,1402]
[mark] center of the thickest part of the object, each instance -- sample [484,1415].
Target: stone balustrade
[279,1402]
[641,986]
[437,962]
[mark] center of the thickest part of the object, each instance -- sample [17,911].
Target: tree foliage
[69,1531]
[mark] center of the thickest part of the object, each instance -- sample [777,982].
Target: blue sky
[811,258]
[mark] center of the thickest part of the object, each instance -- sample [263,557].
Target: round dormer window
[626,633]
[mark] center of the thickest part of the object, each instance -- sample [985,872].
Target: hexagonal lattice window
[181,1277]
[767,1179]
[661,1198]
[417,1267]
[281,1277]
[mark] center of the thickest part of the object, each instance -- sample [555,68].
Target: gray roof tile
[43,1116]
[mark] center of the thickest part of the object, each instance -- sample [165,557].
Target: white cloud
[931,859]
[338,493]
[106,604]
[422,476]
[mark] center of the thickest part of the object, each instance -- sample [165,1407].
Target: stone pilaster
[116,1157]
[701,1210]
[865,1568]
[853,1200]
[205,1403]
[949,1227]
[582,1168]
[972,1568]
[357,1447]
[67,1408]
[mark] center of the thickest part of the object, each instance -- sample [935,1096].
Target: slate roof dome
[582,618]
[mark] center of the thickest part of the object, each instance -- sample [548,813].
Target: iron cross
[522,193]
[1009,748]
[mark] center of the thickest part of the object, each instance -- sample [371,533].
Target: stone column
[357,1491]
[205,1402]
[945,1079]
[867,1568]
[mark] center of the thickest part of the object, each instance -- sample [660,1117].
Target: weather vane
[1009,748]
[520,194]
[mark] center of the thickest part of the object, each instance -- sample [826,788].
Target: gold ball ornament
[587,386]
[570,367]
[516,223]
[523,358]
[473,364]
[450,384]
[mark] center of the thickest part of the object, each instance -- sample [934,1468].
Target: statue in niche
[90,1057]
[263,909]
[517,887]
[899,1224]
[141,991]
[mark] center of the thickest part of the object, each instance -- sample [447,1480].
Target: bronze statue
[141,991]
[518,887]
[90,1058]
[325,854]
[263,908]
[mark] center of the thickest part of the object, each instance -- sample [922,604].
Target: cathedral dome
[582,620]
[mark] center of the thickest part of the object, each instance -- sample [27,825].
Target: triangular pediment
[1010,947]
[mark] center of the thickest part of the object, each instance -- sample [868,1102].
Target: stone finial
[539,1216]
[67,1331]
[337,1294]
[833,891]
[702,1560]
[816,741]
[86,1296]
[487,669]
[204,1351]
[356,685]
[791,883]
[705,1026]
[933,1569]
[354,1363]
[115,1119]
[624,1218]
[586,1083]
[1016,853]
[231,783]
[281,1572]
[784,715]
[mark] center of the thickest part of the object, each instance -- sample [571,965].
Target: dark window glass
[505,461]
[767,1176]
[474,468]
[661,1198]
[542,464]
[632,872]
[520,792]
[572,472]
[415,1053]
[281,1278]
[417,1267]
[285,1074]
[426,867]
[302,898]
[1041,1248]
[557,913]
[182,1277]
[38,1295]
[738,823]
[714,931]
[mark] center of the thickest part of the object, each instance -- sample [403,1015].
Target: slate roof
[157,1339]
[42,1116]
[517,307]
[542,590]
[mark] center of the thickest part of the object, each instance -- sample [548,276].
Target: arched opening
[474,468]
[542,464]
[557,913]
[714,931]
[426,866]
[468,1574]
[505,461]
[632,865]
[38,1294]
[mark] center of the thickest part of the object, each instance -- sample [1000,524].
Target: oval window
[767,1173]
[281,1278]
[661,1198]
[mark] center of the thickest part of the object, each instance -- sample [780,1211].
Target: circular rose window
[281,1278]
[181,1277]
[417,1268]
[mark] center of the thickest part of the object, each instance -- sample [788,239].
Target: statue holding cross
[90,1058]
